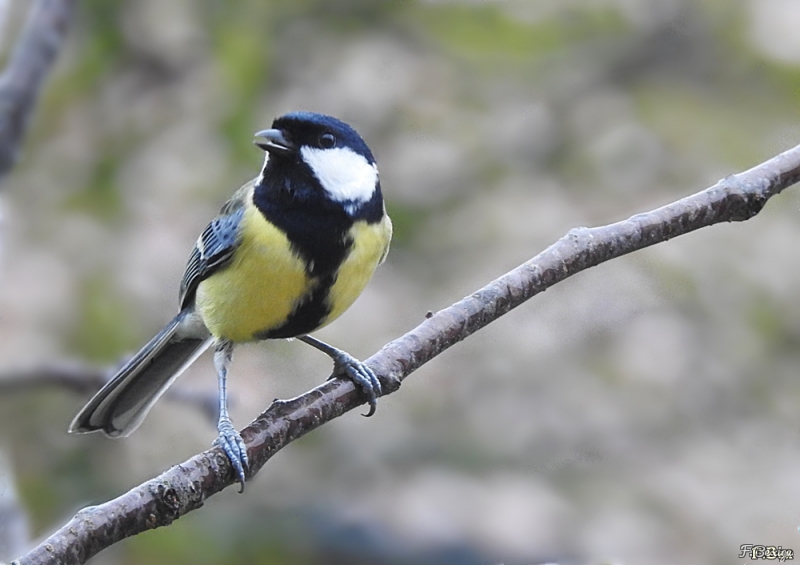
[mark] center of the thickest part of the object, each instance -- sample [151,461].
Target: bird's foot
[361,375]
[232,444]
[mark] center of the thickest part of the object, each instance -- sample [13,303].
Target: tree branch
[77,377]
[88,379]
[185,487]
[21,81]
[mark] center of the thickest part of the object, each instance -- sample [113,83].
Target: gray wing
[214,248]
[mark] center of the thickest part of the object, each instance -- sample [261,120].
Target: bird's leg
[229,439]
[345,364]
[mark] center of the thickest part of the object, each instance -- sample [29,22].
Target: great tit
[287,255]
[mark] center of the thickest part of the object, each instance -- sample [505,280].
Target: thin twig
[5,9]
[20,83]
[87,379]
[31,60]
[77,377]
[185,487]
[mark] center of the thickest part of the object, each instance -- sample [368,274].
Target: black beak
[274,141]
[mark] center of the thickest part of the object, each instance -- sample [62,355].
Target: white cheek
[260,177]
[344,174]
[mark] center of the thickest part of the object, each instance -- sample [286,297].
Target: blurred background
[645,411]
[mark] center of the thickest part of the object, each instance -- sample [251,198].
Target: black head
[314,158]
[296,130]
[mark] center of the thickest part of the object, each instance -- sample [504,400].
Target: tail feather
[120,406]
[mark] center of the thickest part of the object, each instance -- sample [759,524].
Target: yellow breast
[266,281]
[370,245]
[259,289]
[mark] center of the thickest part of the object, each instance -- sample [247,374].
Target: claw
[345,364]
[232,444]
[362,376]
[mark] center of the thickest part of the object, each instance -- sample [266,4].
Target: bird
[287,255]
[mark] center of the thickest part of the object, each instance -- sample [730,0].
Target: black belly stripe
[319,234]
[308,316]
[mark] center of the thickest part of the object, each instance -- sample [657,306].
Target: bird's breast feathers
[267,281]
[370,245]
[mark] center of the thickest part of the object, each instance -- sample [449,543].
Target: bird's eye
[326,140]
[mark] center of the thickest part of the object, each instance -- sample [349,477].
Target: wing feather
[215,246]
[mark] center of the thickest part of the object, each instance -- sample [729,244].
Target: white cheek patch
[344,174]
[260,177]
